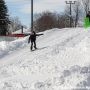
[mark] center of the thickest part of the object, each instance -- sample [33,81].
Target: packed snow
[61,62]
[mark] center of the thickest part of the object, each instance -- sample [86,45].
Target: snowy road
[61,62]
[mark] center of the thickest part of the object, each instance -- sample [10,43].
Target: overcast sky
[22,8]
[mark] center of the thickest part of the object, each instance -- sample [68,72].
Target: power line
[70,2]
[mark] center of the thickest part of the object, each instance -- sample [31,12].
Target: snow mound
[6,47]
[61,62]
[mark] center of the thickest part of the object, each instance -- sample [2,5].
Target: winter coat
[32,37]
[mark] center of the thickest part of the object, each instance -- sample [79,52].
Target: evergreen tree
[4,20]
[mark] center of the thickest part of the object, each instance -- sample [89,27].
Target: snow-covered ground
[62,62]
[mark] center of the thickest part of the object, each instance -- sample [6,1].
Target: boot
[35,47]
[31,48]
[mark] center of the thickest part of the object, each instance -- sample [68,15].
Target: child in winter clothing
[32,38]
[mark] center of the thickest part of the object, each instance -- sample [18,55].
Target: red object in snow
[16,35]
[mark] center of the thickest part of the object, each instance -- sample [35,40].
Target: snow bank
[6,46]
[62,62]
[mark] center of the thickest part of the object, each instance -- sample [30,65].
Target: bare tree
[86,4]
[77,10]
[15,24]
[46,20]
[67,17]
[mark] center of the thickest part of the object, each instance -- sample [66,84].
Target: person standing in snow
[32,38]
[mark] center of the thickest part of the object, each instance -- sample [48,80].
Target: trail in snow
[62,62]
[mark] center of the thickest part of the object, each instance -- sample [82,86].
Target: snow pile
[3,38]
[62,62]
[6,46]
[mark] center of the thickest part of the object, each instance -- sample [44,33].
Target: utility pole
[31,15]
[22,29]
[70,2]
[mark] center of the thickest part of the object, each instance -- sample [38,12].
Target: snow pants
[33,44]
